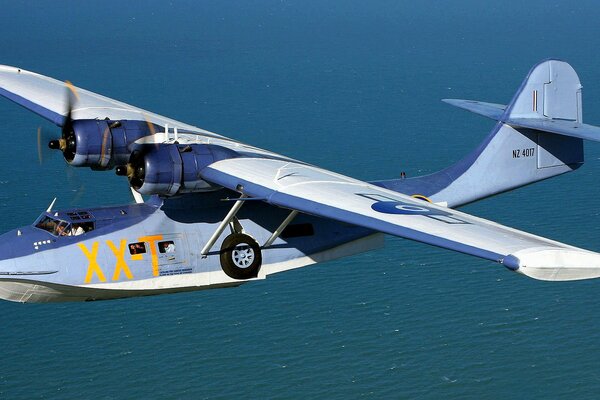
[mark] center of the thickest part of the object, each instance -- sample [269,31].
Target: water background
[352,86]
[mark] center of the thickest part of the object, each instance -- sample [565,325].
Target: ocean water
[352,86]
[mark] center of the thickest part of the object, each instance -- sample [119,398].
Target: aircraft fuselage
[155,247]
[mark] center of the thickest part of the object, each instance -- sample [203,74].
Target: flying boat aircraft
[222,213]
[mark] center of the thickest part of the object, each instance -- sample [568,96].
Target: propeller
[150,125]
[67,143]
[39,144]
[76,184]
[135,170]
[43,136]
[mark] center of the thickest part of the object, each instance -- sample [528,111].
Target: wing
[323,193]
[46,97]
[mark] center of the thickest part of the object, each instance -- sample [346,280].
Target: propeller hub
[58,144]
[125,170]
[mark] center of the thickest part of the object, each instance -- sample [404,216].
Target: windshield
[59,227]
[54,226]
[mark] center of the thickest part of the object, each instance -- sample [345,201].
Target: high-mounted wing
[103,131]
[323,193]
[46,97]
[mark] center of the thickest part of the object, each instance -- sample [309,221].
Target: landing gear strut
[240,254]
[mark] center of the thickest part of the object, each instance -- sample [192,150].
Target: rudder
[551,90]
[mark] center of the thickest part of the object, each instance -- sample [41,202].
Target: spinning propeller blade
[43,136]
[67,142]
[39,144]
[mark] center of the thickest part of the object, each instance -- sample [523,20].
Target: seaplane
[219,213]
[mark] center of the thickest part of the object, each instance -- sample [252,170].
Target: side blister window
[137,248]
[166,247]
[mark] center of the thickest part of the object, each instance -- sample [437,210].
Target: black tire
[241,257]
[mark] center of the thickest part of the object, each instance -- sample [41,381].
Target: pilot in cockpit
[76,230]
[61,230]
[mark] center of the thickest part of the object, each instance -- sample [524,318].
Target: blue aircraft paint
[562,153]
[176,169]
[511,262]
[51,116]
[188,216]
[170,169]
[429,185]
[107,219]
[104,144]
[314,207]
[390,228]
[398,207]
[509,109]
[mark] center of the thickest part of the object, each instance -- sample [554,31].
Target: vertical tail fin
[512,156]
[551,90]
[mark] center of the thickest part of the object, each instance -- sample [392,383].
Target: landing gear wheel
[240,256]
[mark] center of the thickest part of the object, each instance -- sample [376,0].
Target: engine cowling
[100,144]
[169,169]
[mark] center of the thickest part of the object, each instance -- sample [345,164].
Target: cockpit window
[79,215]
[58,227]
[79,228]
[62,229]
[52,225]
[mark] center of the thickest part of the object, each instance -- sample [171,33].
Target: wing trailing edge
[326,194]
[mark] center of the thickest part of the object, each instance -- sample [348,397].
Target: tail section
[538,136]
[551,90]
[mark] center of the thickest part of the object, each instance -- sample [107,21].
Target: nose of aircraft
[23,267]
[7,253]
[21,251]
[10,287]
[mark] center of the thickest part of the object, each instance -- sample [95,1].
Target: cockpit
[67,224]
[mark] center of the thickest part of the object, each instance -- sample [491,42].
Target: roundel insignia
[398,207]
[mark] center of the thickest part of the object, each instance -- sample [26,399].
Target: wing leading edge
[326,194]
[45,96]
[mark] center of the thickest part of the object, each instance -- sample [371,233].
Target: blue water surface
[353,86]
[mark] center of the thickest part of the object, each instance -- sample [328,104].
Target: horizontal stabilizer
[557,126]
[490,110]
[548,100]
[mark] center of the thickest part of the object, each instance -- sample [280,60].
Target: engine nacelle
[170,169]
[102,144]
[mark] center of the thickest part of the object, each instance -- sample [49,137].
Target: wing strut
[278,231]
[228,218]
